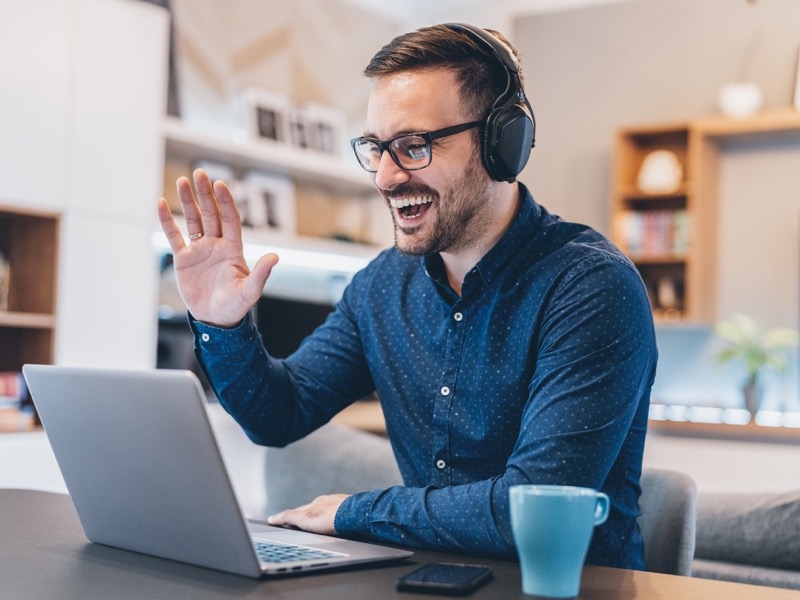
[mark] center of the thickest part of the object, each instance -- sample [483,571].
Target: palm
[211,279]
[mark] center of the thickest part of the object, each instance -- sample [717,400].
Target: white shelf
[302,165]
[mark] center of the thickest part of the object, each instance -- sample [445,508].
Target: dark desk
[43,554]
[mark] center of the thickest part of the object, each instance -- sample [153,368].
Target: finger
[228,212]
[209,210]
[279,519]
[191,212]
[170,228]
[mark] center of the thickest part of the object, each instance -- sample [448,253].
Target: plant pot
[752,393]
[740,99]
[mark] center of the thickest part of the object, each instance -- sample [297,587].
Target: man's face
[444,207]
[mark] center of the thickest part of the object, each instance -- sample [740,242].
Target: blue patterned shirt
[539,372]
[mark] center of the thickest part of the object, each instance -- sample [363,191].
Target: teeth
[403,202]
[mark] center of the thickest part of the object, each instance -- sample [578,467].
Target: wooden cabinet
[29,247]
[29,241]
[667,224]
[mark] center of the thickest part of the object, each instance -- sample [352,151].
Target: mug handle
[601,508]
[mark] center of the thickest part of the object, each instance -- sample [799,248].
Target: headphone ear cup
[508,140]
[487,145]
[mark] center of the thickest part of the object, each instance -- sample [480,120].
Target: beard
[461,219]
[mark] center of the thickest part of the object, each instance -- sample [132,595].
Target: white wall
[82,102]
[726,465]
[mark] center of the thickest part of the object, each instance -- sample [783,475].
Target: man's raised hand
[213,278]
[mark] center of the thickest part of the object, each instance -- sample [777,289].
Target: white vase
[740,99]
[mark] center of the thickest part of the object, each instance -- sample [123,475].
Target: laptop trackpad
[290,536]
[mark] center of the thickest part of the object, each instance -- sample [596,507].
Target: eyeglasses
[410,151]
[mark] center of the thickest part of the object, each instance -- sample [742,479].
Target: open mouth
[411,207]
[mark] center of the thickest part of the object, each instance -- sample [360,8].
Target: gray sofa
[740,537]
[749,538]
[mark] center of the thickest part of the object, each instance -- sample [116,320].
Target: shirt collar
[519,233]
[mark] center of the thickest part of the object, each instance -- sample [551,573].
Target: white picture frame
[266,203]
[299,132]
[326,129]
[265,115]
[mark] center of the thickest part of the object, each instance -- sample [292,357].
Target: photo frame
[326,129]
[299,130]
[266,202]
[265,114]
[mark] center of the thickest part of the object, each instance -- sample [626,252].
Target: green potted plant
[757,349]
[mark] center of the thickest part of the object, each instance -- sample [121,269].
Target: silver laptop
[144,472]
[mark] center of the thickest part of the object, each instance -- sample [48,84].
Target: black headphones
[509,132]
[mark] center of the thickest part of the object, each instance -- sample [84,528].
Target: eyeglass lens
[408,151]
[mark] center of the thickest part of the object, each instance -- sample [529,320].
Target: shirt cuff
[222,339]
[353,515]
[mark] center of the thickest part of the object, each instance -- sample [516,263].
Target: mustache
[410,189]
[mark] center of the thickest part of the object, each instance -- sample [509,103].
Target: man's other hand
[316,517]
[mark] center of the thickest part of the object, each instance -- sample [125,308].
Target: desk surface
[43,554]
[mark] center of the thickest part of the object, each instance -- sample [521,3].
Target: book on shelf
[12,388]
[16,410]
[653,233]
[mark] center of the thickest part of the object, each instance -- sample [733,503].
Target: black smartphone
[445,578]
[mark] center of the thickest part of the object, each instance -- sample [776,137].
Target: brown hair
[481,76]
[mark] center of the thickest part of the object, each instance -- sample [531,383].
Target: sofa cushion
[750,529]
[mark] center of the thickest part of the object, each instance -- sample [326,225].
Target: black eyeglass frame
[428,136]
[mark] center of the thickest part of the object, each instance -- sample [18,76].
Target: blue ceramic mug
[552,526]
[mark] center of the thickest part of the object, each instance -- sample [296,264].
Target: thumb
[260,273]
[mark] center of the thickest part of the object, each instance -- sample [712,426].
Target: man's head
[440,82]
[489,76]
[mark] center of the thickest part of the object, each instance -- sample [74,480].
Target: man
[506,345]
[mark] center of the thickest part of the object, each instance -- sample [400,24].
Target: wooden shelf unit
[29,239]
[681,281]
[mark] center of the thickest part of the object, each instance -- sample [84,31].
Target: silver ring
[196,236]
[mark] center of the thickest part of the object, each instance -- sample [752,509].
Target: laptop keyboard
[280,553]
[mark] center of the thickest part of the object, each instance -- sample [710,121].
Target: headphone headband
[494,46]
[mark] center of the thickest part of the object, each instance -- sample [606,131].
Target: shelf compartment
[22,345]
[634,145]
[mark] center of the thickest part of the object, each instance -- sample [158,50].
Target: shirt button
[458,316]
[440,464]
[205,337]
[445,390]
